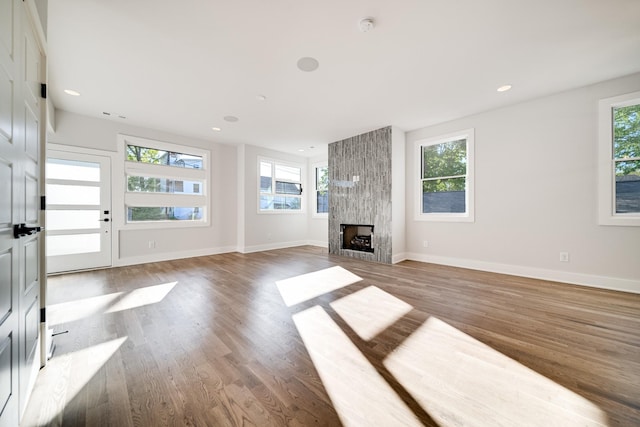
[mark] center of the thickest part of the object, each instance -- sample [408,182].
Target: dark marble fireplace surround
[360,170]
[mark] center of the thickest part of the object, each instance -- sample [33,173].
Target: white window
[619,160]
[445,186]
[321,189]
[280,187]
[164,183]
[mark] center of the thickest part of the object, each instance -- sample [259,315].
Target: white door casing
[78,211]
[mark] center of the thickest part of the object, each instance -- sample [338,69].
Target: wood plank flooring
[209,341]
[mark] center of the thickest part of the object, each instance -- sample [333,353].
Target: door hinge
[43,314]
[43,203]
[43,90]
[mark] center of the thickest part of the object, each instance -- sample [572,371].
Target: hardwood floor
[298,337]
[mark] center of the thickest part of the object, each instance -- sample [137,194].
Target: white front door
[78,211]
[21,131]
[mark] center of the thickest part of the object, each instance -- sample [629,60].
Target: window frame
[606,163]
[469,214]
[314,199]
[157,199]
[302,183]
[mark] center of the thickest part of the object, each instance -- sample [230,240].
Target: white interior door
[78,194]
[21,129]
[11,148]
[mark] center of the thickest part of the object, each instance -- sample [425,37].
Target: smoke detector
[366,25]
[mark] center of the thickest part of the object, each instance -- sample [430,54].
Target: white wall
[536,195]
[132,245]
[398,190]
[263,231]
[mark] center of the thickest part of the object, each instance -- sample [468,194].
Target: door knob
[20,230]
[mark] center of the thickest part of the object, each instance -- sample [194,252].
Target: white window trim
[314,199]
[126,198]
[606,183]
[274,162]
[469,215]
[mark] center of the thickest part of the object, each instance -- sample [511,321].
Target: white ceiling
[182,65]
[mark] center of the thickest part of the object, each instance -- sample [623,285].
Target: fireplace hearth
[357,237]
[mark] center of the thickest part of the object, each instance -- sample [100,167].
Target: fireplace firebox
[357,237]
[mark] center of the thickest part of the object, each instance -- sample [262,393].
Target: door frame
[86,260]
[71,149]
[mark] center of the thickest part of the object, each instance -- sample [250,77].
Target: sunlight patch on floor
[80,309]
[73,371]
[88,361]
[370,311]
[141,297]
[308,286]
[358,392]
[461,381]
[118,301]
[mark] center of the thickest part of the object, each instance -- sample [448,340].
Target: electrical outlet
[564,256]
[425,243]
[152,244]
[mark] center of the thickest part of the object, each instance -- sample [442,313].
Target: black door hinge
[43,203]
[43,90]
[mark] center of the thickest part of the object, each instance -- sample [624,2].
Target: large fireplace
[357,237]
[361,171]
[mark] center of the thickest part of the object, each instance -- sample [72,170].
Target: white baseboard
[319,243]
[603,282]
[272,246]
[399,257]
[168,256]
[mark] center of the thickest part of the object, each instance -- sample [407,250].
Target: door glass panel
[72,219]
[73,170]
[73,244]
[78,196]
[72,195]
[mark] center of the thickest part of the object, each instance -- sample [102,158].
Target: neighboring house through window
[619,160]
[321,199]
[446,177]
[164,182]
[280,186]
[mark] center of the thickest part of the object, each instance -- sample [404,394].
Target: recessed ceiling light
[261,97]
[301,150]
[71,92]
[308,64]
[231,119]
[504,88]
[216,129]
